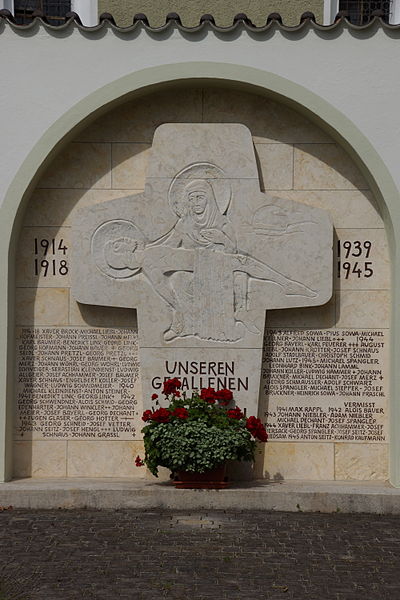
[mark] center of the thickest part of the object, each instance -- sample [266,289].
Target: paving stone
[67,555]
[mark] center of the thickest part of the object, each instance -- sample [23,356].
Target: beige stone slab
[324,167]
[136,121]
[276,166]
[104,459]
[236,369]
[299,461]
[310,317]
[326,385]
[268,121]
[43,257]
[363,309]
[80,165]
[361,461]
[129,164]
[223,150]
[348,208]
[40,459]
[101,316]
[42,306]
[77,383]
[56,207]
[364,262]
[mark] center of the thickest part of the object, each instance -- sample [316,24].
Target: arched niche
[326,137]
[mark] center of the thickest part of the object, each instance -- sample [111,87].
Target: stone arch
[311,105]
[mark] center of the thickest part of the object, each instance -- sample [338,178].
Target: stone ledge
[291,496]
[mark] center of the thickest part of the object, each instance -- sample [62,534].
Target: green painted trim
[143,82]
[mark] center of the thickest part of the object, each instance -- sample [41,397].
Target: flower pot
[209,480]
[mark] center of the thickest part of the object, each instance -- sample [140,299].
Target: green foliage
[202,440]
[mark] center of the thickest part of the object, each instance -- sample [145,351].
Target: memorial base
[375,497]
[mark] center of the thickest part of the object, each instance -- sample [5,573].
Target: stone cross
[201,254]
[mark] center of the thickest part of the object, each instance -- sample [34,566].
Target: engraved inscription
[203,374]
[218,368]
[76,383]
[326,385]
[50,257]
[354,259]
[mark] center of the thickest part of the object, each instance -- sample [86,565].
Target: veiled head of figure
[197,188]
[199,194]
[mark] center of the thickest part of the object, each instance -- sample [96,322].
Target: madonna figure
[207,294]
[215,296]
[196,268]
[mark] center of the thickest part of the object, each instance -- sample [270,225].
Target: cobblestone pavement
[137,555]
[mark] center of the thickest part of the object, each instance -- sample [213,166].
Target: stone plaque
[326,385]
[202,254]
[76,383]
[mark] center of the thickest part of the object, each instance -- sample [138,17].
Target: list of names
[76,383]
[324,385]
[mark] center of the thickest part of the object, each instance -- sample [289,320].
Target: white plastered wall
[395,15]
[360,89]
[8,4]
[99,67]
[331,9]
[87,11]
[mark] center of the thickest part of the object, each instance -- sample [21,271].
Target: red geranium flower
[162,415]
[224,396]
[235,413]
[147,415]
[262,434]
[177,394]
[170,386]
[154,396]
[257,429]
[208,394]
[181,413]
[139,462]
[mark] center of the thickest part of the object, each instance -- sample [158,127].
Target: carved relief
[117,248]
[202,254]
[197,267]
[273,220]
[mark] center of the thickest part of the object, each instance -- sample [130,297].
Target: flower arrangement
[197,433]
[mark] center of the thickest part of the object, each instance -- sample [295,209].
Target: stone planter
[214,479]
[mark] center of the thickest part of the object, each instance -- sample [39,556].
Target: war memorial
[209,211]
